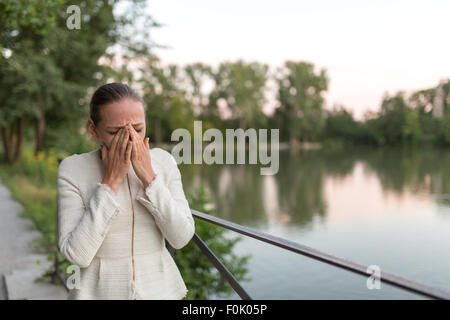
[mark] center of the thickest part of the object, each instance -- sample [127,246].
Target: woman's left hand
[140,157]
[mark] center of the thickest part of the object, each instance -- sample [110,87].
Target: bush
[201,277]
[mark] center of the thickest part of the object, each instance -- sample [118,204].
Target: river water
[388,207]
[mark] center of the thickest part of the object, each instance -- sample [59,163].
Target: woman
[118,204]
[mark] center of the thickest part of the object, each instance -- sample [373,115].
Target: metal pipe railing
[386,277]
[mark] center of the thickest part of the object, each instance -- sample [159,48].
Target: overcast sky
[367,47]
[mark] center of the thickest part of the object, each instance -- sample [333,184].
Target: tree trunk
[19,140]
[6,144]
[40,131]
[12,141]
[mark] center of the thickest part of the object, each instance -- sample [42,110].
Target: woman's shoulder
[77,162]
[162,155]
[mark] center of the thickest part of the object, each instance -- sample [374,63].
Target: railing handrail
[346,264]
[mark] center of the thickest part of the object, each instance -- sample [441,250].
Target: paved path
[18,263]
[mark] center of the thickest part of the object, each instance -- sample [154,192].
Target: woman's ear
[92,128]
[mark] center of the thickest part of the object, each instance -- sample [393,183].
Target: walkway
[18,263]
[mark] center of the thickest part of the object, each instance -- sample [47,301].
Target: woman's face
[115,116]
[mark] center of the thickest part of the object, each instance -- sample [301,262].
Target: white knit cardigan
[117,240]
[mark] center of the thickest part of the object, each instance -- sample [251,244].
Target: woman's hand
[116,160]
[140,158]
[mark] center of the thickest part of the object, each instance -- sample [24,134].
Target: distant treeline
[402,119]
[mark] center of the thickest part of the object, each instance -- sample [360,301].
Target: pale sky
[367,47]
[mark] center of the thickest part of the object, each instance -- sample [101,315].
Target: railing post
[221,268]
[169,247]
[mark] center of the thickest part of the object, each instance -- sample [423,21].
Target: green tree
[340,125]
[169,108]
[399,122]
[443,131]
[241,86]
[197,85]
[300,99]
[87,59]
[197,76]
[25,69]
[411,130]
[47,69]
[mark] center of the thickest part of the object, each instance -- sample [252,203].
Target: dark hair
[109,93]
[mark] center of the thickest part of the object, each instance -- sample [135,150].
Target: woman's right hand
[116,160]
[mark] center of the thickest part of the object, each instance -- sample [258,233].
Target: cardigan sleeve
[82,227]
[169,206]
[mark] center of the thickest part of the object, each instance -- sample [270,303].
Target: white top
[115,238]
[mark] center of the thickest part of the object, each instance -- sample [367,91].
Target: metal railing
[385,277]
[348,265]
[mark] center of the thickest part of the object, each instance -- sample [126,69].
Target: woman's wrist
[113,186]
[146,181]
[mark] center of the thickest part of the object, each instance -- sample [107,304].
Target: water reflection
[296,194]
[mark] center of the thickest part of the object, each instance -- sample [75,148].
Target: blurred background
[359,90]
